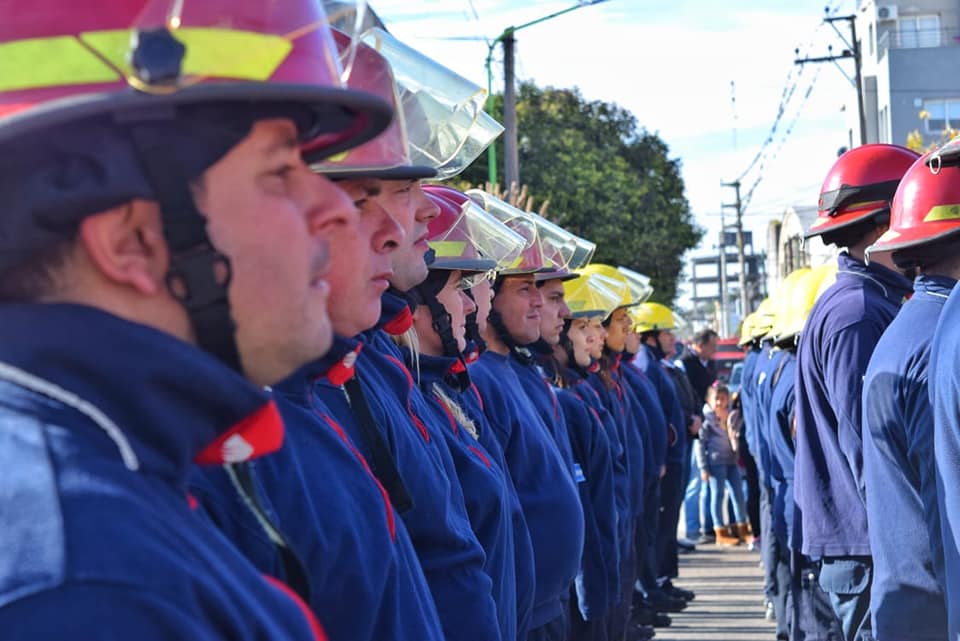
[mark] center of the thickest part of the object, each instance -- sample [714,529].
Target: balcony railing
[916,39]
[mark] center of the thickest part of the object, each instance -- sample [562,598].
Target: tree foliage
[606,179]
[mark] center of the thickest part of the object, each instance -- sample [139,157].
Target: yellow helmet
[640,288]
[593,295]
[608,271]
[652,317]
[802,298]
[746,329]
[783,298]
[763,318]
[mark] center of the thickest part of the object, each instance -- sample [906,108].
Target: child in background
[717,460]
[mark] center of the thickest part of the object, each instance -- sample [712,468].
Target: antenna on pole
[733,111]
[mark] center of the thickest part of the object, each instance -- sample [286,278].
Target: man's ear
[127,246]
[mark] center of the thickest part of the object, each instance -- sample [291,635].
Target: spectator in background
[696,362]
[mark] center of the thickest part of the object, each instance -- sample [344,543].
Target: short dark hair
[704,336]
[36,276]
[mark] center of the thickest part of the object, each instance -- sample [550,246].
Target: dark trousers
[753,487]
[767,545]
[813,616]
[782,597]
[671,498]
[646,534]
[619,618]
[555,630]
[847,581]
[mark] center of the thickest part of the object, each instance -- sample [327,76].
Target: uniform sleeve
[845,359]
[105,613]
[945,393]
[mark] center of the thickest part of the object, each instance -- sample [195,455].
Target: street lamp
[511,160]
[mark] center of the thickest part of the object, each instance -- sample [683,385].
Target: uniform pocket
[845,576]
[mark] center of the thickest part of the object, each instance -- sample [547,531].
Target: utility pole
[852,51]
[511,160]
[509,95]
[724,322]
[738,207]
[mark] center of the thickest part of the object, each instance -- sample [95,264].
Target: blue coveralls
[362,557]
[747,390]
[906,601]
[944,389]
[437,521]
[543,481]
[487,489]
[595,482]
[671,485]
[101,422]
[840,334]
[809,615]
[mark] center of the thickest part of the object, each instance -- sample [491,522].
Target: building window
[883,126]
[915,32]
[870,38]
[942,115]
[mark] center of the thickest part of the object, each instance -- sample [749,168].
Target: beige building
[786,248]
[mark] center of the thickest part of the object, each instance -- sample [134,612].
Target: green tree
[606,179]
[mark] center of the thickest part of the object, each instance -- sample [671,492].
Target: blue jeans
[724,476]
[695,489]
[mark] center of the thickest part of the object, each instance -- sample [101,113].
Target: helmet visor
[640,289]
[530,259]
[593,296]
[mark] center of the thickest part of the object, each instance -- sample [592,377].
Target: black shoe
[661,620]
[671,590]
[648,616]
[706,538]
[684,546]
[641,633]
[662,602]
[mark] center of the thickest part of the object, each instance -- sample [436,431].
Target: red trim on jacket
[259,434]
[318,633]
[400,323]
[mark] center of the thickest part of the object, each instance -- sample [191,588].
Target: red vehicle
[728,354]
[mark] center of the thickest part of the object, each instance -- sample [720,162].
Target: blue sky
[671,64]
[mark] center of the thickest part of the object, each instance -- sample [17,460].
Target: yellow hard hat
[652,317]
[783,301]
[608,271]
[802,299]
[593,295]
[640,288]
[746,329]
[763,318]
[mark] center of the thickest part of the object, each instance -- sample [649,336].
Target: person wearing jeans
[717,462]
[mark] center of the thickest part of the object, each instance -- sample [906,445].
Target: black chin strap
[199,275]
[473,328]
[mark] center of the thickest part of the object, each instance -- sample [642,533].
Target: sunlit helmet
[386,156]
[782,304]
[801,301]
[763,321]
[447,127]
[746,329]
[640,288]
[465,237]
[131,59]
[593,295]
[531,259]
[559,248]
[609,271]
[653,317]
[860,186]
[926,209]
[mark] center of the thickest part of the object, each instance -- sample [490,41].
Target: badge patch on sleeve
[578,475]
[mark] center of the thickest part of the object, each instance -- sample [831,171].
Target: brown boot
[745,532]
[725,537]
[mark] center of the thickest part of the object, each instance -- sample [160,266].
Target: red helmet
[465,237]
[67,61]
[925,208]
[860,185]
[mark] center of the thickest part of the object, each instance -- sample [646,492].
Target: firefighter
[840,336]
[160,221]
[907,598]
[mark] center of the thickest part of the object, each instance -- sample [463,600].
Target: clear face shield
[446,125]
[530,259]
[593,296]
[640,289]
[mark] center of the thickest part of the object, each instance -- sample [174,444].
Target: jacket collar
[336,367]
[891,284]
[163,403]
[396,313]
[933,286]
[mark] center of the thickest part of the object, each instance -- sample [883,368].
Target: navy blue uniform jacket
[906,599]
[780,439]
[550,500]
[655,370]
[100,422]
[451,558]
[839,336]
